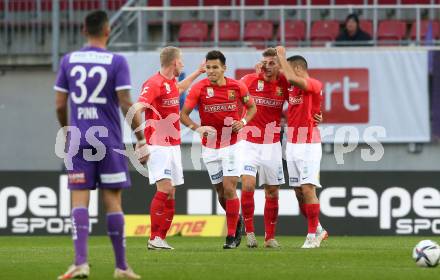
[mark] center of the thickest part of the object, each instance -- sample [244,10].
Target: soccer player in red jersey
[219,98]
[160,100]
[303,151]
[262,147]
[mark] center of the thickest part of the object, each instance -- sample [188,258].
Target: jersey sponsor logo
[279,91]
[345,94]
[77,178]
[171,102]
[260,85]
[231,94]
[209,92]
[91,57]
[226,107]
[41,210]
[262,101]
[296,100]
[293,179]
[167,87]
[167,172]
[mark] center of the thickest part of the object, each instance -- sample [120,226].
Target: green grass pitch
[203,258]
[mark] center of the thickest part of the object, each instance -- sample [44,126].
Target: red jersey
[162,114]
[269,98]
[218,107]
[303,104]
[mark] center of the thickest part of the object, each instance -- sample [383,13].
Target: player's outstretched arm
[288,71]
[186,83]
[125,103]
[61,107]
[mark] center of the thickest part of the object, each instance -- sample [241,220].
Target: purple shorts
[111,172]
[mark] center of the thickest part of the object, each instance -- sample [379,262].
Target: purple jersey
[91,77]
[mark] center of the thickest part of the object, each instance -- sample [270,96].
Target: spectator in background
[352,34]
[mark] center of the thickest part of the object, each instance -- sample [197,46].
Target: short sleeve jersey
[269,98]
[161,96]
[91,77]
[303,105]
[219,106]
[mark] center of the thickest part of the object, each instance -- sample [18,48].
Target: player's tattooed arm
[182,86]
[251,110]
[126,105]
[288,71]
[61,107]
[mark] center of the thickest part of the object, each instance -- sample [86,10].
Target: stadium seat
[413,2]
[367,26]
[391,30]
[155,3]
[241,72]
[115,4]
[227,31]
[46,5]
[283,2]
[218,2]
[324,30]
[193,31]
[84,5]
[21,5]
[294,30]
[258,31]
[424,25]
[254,2]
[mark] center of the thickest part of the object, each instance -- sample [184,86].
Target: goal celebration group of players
[239,125]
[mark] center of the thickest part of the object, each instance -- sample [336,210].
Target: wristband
[243,120]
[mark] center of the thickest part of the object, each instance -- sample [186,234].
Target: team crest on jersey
[231,94]
[260,85]
[279,91]
[167,87]
[209,92]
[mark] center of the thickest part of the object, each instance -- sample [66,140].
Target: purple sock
[115,230]
[80,233]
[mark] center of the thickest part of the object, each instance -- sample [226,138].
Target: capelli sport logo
[345,94]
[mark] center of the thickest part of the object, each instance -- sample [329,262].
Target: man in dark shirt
[352,34]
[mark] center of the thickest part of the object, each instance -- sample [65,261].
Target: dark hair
[213,55]
[353,17]
[300,60]
[95,22]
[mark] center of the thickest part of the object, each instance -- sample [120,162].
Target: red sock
[302,208]
[169,214]
[247,208]
[312,211]
[232,211]
[157,211]
[270,217]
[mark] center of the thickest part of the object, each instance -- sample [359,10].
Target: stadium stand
[195,31]
[294,30]
[324,31]
[227,31]
[424,29]
[258,32]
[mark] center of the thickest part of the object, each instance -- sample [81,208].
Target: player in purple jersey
[96,82]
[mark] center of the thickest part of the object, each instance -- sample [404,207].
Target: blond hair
[269,52]
[168,55]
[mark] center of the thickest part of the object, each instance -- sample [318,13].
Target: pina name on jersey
[87,113]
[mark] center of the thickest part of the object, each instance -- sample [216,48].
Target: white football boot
[251,240]
[311,242]
[125,274]
[158,244]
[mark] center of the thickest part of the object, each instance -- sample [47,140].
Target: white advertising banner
[367,94]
